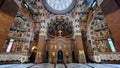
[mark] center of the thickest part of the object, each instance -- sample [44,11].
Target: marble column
[40,50]
[79,50]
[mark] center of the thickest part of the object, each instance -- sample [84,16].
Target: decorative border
[57,11]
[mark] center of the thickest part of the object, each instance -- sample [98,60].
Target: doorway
[33,56]
[73,56]
[60,57]
[46,57]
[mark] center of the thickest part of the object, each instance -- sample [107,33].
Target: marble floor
[70,65]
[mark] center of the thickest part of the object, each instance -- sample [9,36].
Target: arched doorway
[73,56]
[32,56]
[46,57]
[60,57]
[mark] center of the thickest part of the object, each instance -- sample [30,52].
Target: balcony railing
[14,57]
[105,56]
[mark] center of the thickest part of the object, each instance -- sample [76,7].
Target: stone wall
[112,14]
[8,11]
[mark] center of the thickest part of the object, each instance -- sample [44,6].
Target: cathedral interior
[59,31]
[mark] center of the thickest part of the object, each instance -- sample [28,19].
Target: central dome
[59,6]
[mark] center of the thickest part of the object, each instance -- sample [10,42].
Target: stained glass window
[111,45]
[10,45]
[59,4]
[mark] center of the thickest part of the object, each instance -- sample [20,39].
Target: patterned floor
[71,65]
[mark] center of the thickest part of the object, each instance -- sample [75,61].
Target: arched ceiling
[33,6]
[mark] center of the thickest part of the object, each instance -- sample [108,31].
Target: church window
[111,45]
[10,45]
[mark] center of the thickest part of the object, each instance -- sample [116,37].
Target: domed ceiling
[59,6]
[53,6]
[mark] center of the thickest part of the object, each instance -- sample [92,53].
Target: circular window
[59,6]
